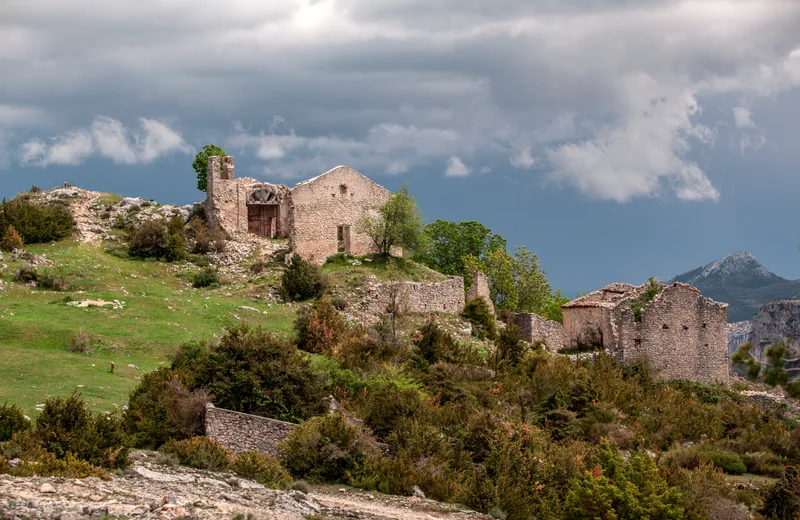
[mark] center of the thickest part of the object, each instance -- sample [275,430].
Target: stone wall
[778,320]
[339,197]
[480,289]
[579,322]
[534,328]
[739,333]
[446,297]
[681,335]
[241,432]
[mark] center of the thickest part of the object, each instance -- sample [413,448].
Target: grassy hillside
[161,312]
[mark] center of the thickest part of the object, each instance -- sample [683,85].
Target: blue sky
[617,140]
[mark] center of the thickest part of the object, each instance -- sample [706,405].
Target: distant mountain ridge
[741,281]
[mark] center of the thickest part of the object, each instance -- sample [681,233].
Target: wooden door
[262,219]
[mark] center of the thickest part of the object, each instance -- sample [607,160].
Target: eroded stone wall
[241,432]
[480,289]
[534,328]
[681,335]
[446,297]
[582,322]
[338,197]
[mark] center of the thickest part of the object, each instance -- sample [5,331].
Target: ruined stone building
[319,216]
[680,333]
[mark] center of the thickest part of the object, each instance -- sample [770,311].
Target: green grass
[340,266]
[161,312]
[109,199]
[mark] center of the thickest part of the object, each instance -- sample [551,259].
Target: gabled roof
[339,168]
[606,297]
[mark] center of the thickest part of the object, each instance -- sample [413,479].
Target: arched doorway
[263,212]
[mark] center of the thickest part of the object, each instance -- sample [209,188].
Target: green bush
[200,453]
[204,239]
[477,312]
[326,448]
[510,347]
[206,277]
[36,223]
[51,279]
[44,464]
[320,327]
[12,420]
[435,344]
[156,239]
[254,371]
[727,461]
[26,274]
[161,408]
[782,501]
[301,281]
[264,469]
[10,239]
[651,291]
[385,409]
[67,426]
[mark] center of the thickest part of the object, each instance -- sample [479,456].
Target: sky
[616,139]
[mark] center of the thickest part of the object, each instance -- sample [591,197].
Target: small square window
[343,189]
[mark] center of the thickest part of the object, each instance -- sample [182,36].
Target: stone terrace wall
[244,432]
[446,297]
[682,335]
[533,328]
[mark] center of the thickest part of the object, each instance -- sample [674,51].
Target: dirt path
[348,502]
[85,218]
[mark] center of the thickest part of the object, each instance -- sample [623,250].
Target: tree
[516,283]
[200,164]
[397,224]
[451,242]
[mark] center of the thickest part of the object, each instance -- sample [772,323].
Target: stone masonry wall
[338,197]
[480,289]
[241,432]
[535,328]
[681,335]
[578,321]
[446,297]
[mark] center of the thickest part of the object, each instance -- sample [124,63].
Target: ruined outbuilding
[680,333]
[319,216]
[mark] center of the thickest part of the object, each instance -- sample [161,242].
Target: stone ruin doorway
[263,213]
[343,239]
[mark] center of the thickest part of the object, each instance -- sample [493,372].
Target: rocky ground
[149,490]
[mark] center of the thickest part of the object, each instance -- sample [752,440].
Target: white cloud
[523,158]
[456,168]
[106,137]
[743,117]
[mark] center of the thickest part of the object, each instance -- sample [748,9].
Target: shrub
[80,343]
[640,304]
[258,267]
[161,408]
[327,448]
[35,222]
[301,281]
[116,249]
[478,313]
[52,280]
[205,239]
[782,501]
[254,371]
[12,420]
[320,327]
[510,347]
[727,461]
[10,240]
[157,239]
[385,409]
[207,277]
[67,426]
[44,464]
[434,344]
[200,453]
[26,274]
[264,469]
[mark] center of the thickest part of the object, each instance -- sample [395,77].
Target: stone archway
[263,212]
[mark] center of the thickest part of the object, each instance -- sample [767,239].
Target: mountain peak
[740,263]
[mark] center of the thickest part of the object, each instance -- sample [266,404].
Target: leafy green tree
[450,243]
[744,360]
[517,283]
[200,164]
[774,373]
[398,224]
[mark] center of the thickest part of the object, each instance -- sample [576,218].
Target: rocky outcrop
[778,320]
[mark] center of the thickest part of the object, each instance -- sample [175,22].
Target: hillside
[741,281]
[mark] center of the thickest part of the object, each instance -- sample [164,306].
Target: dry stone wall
[778,320]
[241,432]
[534,328]
[480,289]
[445,297]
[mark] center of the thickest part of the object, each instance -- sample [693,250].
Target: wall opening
[343,189]
[665,326]
[343,239]
[263,213]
